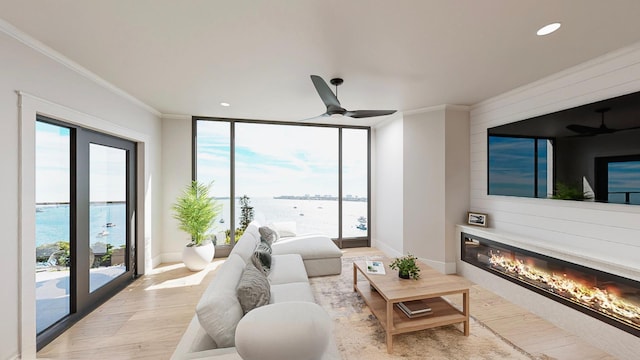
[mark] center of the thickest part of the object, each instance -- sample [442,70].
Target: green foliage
[106,258]
[246,213]
[406,265]
[196,211]
[569,192]
[237,236]
[59,253]
[43,252]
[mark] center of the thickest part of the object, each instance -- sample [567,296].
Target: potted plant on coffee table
[407,267]
[195,211]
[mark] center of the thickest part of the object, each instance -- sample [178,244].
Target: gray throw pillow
[267,234]
[264,246]
[261,259]
[253,289]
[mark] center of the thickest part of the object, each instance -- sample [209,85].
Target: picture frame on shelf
[477,219]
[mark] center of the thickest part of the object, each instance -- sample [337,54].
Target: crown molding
[38,46]
[176,117]
[438,108]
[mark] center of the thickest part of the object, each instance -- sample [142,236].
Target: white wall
[419,206]
[24,69]
[388,173]
[607,233]
[457,179]
[176,174]
[424,185]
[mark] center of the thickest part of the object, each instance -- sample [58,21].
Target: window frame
[342,242]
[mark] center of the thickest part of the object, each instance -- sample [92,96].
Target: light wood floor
[148,318]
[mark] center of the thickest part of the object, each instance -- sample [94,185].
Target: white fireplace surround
[607,337]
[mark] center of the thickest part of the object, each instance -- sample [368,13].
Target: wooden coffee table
[381,292]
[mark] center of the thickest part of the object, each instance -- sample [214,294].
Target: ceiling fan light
[548,29]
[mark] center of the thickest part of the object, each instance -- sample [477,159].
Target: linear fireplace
[608,297]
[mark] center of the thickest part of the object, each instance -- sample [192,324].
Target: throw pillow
[267,234]
[253,288]
[262,260]
[264,246]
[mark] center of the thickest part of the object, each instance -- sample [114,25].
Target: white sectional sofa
[290,326]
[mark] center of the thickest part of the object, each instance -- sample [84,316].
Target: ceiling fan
[583,130]
[333,105]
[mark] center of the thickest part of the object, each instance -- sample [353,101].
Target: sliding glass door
[85,222]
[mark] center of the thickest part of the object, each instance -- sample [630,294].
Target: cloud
[276,160]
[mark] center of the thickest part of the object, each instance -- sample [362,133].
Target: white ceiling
[185,57]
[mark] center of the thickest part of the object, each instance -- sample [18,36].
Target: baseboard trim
[443,267]
[171,257]
[387,250]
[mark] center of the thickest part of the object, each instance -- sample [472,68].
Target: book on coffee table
[375,267]
[414,308]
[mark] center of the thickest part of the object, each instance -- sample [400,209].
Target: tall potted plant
[195,210]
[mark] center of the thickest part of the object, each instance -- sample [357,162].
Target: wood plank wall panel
[609,232]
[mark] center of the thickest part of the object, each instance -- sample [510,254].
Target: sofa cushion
[253,288]
[246,244]
[308,246]
[219,309]
[284,228]
[296,330]
[287,268]
[297,291]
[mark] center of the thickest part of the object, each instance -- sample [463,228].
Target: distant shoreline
[319,197]
[91,203]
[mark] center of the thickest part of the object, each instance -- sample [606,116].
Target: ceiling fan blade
[581,129]
[327,96]
[368,113]
[315,117]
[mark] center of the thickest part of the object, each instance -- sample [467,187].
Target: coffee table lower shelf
[442,314]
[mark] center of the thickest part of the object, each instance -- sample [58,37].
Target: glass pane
[624,182]
[213,151]
[52,224]
[289,173]
[107,214]
[511,166]
[354,183]
[542,168]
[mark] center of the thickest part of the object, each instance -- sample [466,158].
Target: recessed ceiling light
[225,104]
[548,29]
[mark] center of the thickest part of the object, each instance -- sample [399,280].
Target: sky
[106,174]
[274,160]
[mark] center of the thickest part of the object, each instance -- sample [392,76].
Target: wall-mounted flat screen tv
[588,153]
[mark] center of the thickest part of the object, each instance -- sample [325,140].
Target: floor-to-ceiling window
[355,183]
[316,177]
[85,222]
[53,223]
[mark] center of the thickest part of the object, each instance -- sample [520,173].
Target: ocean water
[310,216]
[52,224]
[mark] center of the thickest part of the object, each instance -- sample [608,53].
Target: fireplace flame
[592,297]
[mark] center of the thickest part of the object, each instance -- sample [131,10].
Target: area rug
[359,335]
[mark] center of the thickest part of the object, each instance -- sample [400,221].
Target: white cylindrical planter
[196,258]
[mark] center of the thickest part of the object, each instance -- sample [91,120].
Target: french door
[85,222]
